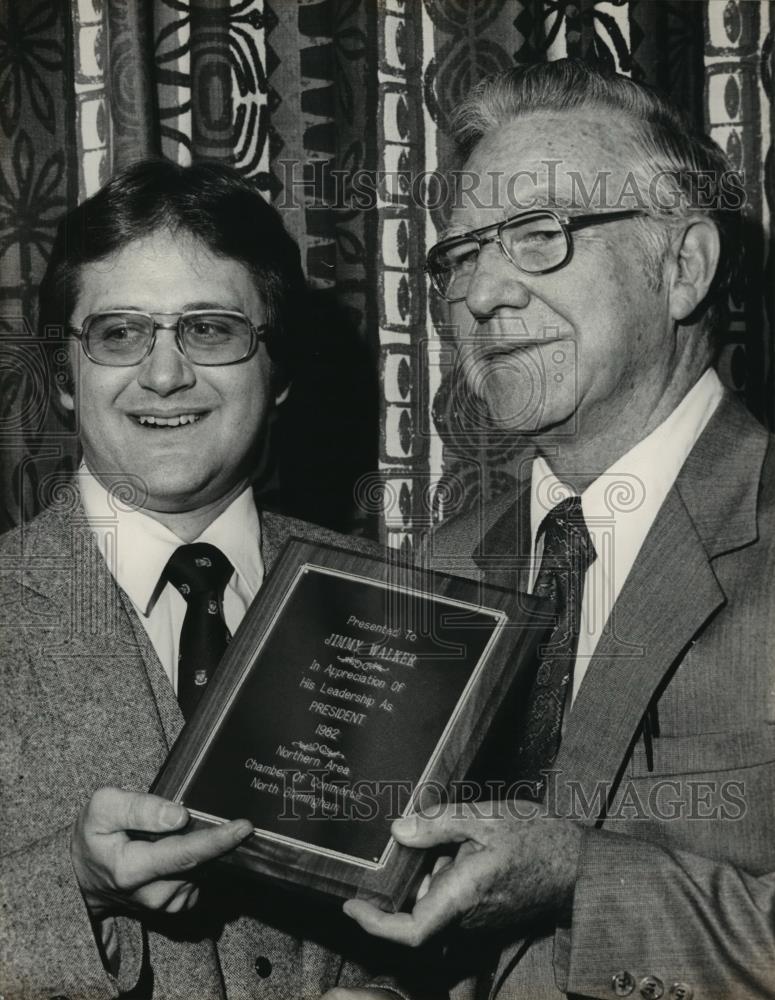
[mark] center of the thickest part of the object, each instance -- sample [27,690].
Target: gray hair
[690,167]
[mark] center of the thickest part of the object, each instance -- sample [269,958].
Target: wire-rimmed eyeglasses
[535,242]
[124,337]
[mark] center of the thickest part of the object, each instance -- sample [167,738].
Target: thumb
[113,809]
[448,827]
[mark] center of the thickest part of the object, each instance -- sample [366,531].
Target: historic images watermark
[320,185]
[317,794]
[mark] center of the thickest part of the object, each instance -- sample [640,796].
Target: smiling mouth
[179,420]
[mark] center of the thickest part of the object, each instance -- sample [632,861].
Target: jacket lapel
[62,563]
[505,550]
[166,704]
[670,593]
[91,664]
[275,532]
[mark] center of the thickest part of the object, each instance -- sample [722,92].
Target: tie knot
[198,568]
[566,537]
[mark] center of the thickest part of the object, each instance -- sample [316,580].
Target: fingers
[424,886]
[166,896]
[442,862]
[185,898]
[429,916]
[117,873]
[111,810]
[453,825]
[176,854]
[444,903]
[452,890]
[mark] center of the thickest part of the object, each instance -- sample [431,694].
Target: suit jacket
[86,703]
[668,754]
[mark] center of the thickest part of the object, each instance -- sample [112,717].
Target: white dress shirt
[136,548]
[620,507]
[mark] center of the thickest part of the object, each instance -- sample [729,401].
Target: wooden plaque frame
[501,631]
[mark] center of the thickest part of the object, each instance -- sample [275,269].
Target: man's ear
[694,267]
[282,395]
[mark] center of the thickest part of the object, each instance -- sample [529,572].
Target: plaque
[355,691]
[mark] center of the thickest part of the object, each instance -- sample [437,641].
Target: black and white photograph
[387,500]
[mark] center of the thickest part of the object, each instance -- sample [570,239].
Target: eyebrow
[541,204]
[211,305]
[551,204]
[451,231]
[186,308]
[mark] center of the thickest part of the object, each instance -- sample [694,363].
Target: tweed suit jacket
[86,703]
[668,754]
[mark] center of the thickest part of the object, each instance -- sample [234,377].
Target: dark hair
[212,203]
[670,144]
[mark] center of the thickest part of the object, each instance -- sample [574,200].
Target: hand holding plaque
[355,690]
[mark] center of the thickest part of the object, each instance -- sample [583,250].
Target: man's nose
[496,282]
[166,370]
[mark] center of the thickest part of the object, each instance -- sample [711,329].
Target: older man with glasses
[170,305]
[586,267]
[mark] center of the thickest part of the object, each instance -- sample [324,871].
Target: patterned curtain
[338,111]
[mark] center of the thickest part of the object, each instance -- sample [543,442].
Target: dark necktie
[200,573]
[568,554]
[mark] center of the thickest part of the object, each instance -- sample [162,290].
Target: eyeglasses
[535,242]
[122,338]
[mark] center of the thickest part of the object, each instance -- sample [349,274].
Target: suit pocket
[705,752]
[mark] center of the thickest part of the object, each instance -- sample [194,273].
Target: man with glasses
[169,303]
[629,848]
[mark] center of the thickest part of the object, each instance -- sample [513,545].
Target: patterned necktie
[568,554]
[200,572]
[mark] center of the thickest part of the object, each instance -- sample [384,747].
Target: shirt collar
[137,547]
[633,489]
[237,533]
